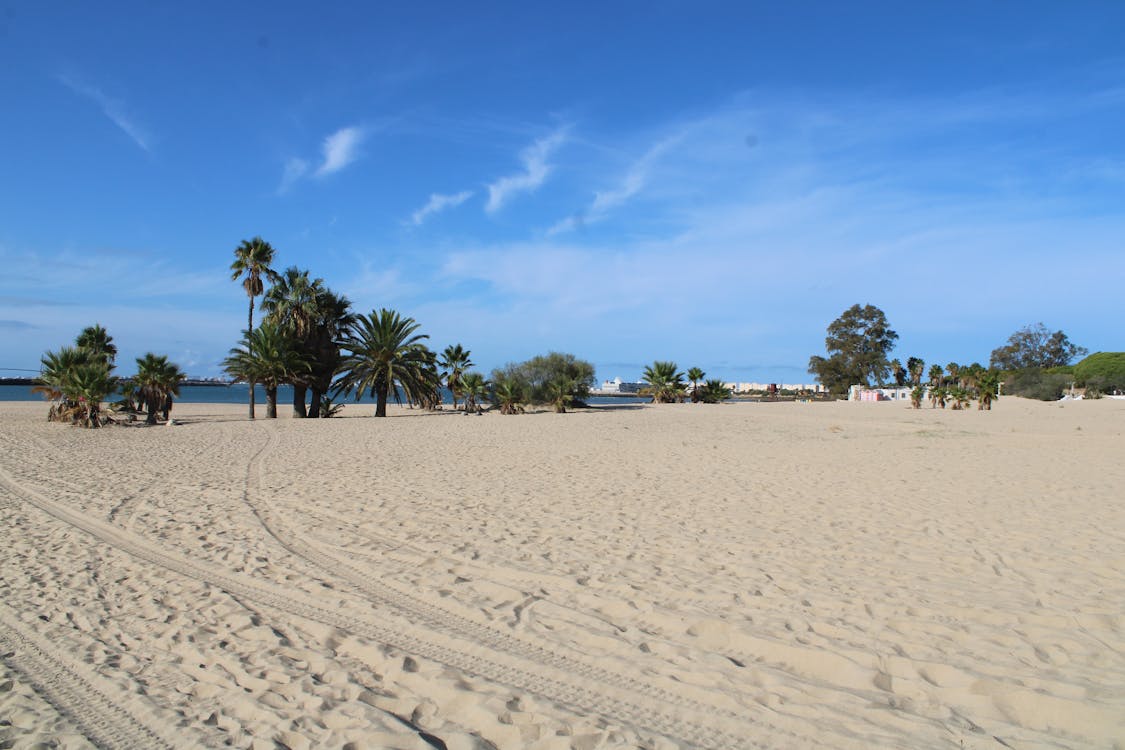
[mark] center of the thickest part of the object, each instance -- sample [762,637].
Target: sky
[709,182]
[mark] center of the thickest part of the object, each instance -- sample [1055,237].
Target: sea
[239,394]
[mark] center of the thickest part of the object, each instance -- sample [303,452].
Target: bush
[1037,384]
[1104,371]
[538,379]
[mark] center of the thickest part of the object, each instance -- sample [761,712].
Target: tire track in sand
[578,689]
[97,707]
[463,624]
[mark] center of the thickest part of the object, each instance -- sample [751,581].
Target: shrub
[1037,384]
[1104,371]
[538,378]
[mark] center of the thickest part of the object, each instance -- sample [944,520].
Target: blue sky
[711,183]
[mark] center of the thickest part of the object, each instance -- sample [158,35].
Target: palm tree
[156,381]
[252,258]
[714,391]
[474,386]
[98,342]
[559,394]
[89,384]
[916,396]
[77,381]
[454,363]
[899,372]
[385,353]
[988,384]
[266,355]
[937,375]
[507,394]
[695,375]
[665,382]
[915,366]
[292,303]
[53,380]
[333,318]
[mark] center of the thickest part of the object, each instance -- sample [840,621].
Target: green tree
[714,391]
[507,395]
[665,382]
[386,354]
[1035,346]
[455,363]
[988,389]
[266,355]
[474,386]
[695,376]
[252,259]
[98,342]
[537,375]
[156,382]
[915,367]
[293,304]
[857,344]
[937,375]
[1104,371]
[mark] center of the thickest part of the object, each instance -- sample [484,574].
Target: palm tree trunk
[381,401]
[250,327]
[152,407]
[314,406]
[299,393]
[271,402]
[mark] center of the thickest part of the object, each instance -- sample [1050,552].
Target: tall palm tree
[454,363]
[156,381]
[899,372]
[266,355]
[252,259]
[292,303]
[665,382]
[695,375]
[98,342]
[915,366]
[333,318]
[937,375]
[386,354]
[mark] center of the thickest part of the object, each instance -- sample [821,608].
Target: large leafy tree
[252,263]
[857,344]
[454,363]
[539,377]
[156,382]
[665,382]
[385,354]
[266,355]
[1035,346]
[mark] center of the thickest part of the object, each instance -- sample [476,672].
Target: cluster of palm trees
[310,339]
[953,385]
[77,379]
[665,385]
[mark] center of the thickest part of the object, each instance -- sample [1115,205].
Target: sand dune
[743,575]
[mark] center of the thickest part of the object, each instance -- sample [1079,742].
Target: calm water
[237,394]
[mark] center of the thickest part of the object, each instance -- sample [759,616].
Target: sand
[742,575]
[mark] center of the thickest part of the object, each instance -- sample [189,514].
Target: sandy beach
[735,576]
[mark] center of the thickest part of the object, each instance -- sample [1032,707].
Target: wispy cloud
[340,149]
[295,169]
[112,108]
[634,181]
[536,169]
[439,202]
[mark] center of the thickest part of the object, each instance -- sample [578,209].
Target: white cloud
[535,172]
[634,181]
[439,202]
[340,149]
[111,108]
[295,169]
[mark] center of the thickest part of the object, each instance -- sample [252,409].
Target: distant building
[863,393]
[618,386]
